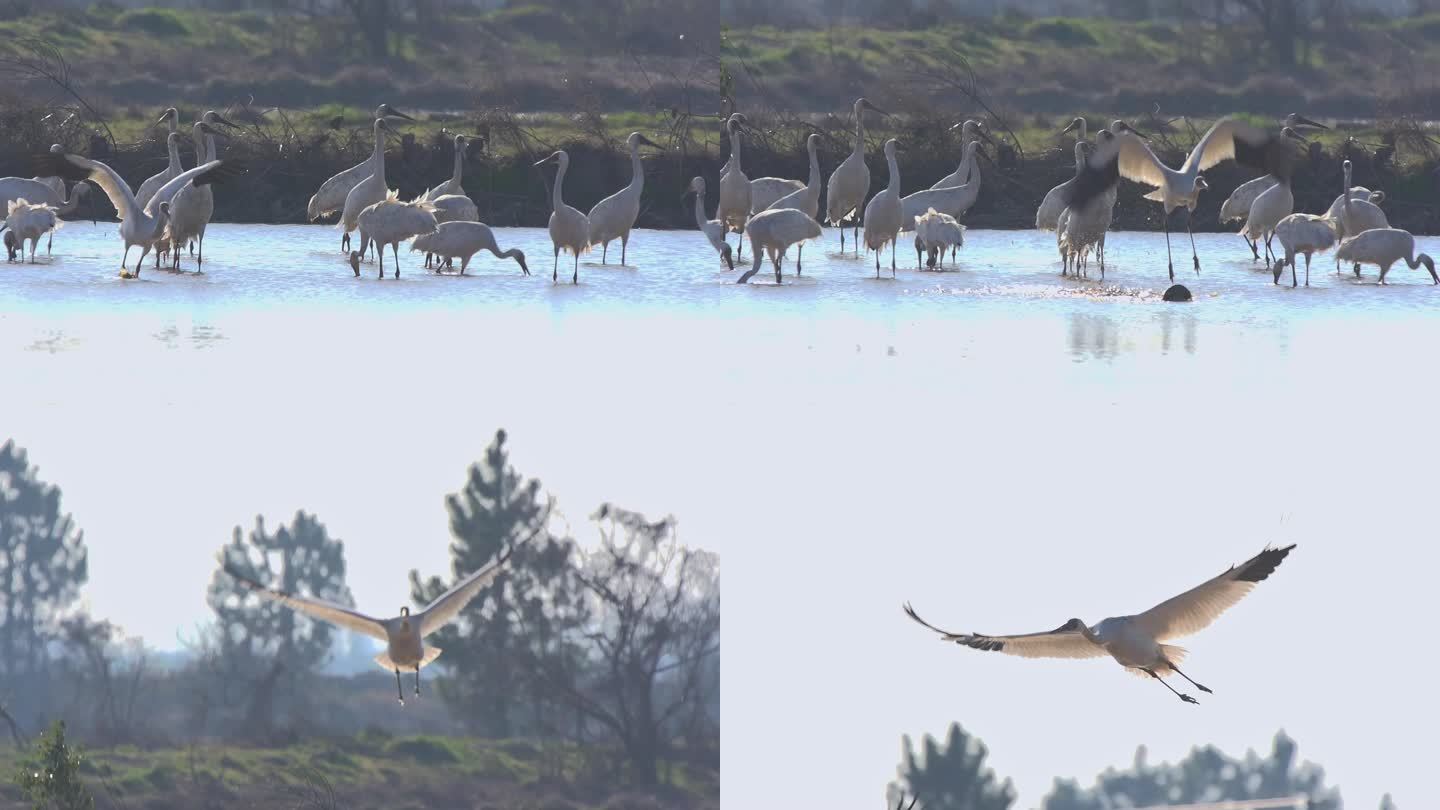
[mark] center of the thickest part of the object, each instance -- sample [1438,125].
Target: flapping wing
[315,608]
[449,604]
[1226,139]
[1102,171]
[76,168]
[1194,610]
[1066,641]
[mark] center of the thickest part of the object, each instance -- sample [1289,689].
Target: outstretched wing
[77,168]
[449,604]
[1066,641]
[1194,610]
[315,608]
[1229,138]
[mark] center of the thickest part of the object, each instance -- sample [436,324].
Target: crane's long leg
[345,243]
[49,242]
[1170,257]
[893,244]
[576,278]
[799,251]
[1202,687]
[1254,247]
[1307,269]
[555,273]
[841,229]
[395,251]
[855,236]
[417,681]
[200,257]
[877,262]
[624,245]
[1180,695]
[399,690]
[1189,217]
[917,256]
[365,239]
[604,252]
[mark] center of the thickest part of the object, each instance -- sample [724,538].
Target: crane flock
[171,209]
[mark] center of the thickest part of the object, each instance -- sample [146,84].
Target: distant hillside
[1371,67]
[535,56]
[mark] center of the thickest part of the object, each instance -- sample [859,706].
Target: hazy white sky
[977,471]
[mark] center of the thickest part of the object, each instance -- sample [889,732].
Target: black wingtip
[54,164]
[1262,565]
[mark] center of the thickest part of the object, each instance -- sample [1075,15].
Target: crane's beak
[1291,133]
[163,119]
[391,111]
[220,119]
[1302,121]
[1074,125]
[646,141]
[873,108]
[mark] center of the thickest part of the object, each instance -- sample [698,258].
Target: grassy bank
[1015,180]
[374,769]
[1370,68]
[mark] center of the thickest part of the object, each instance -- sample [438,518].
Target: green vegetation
[1059,65]
[533,56]
[386,770]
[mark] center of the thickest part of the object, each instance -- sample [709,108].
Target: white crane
[390,222]
[27,221]
[883,214]
[330,198]
[451,208]
[569,229]
[453,185]
[952,200]
[772,232]
[153,183]
[1273,204]
[460,239]
[734,207]
[40,190]
[1130,157]
[1047,216]
[1135,642]
[807,199]
[1302,233]
[192,206]
[766,191]
[613,217]
[1357,216]
[849,184]
[934,232]
[138,226]
[370,189]
[968,169]
[713,229]
[1236,207]
[404,635]
[1383,247]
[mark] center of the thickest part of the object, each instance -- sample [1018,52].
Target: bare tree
[656,619]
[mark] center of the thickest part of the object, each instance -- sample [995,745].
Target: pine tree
[50,780]
[260,640]
[952,777]
[43,564]
[519,618]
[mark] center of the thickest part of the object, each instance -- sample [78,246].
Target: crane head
[1290,132]
[1074,125]
[170,114]
[697,186]
[386,111]
[212,117]
[863,103]
[1298,120]
[644,141]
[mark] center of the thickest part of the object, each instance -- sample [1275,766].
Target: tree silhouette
[487,655]
[952,777]
[656,623]
[1204,775]
[43,563]
[259,640]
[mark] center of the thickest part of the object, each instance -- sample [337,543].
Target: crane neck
[637,170]
[735,150]
[859,134]
[894,166]
[814,181]
[173,147]
[459,167]
[556,200]
[378,157]
[201,150]
[700,218]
